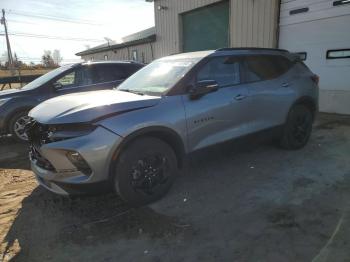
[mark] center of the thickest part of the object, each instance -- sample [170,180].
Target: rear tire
[145,171]
[16,126]
[298,127]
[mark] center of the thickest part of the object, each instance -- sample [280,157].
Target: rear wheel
[17,126]
[145,171]
[298,128]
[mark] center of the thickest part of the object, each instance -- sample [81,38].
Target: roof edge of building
[148,39]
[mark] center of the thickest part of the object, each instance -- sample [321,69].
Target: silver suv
[134,138]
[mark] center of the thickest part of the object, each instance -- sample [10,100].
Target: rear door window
[224,70]
[85,75]
[108,73]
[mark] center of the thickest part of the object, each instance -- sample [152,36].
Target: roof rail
[250,48]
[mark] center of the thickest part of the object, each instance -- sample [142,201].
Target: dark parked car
[134,138]
[15,104]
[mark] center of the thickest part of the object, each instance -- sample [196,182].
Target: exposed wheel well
[165,134]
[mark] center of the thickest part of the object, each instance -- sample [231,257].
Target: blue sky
[92,21]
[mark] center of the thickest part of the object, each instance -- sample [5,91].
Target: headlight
[61,132]
[3,101]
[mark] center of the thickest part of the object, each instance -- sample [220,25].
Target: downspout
[150,43]
[278,23]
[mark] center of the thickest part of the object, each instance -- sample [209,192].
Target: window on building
[341,2]
[92,58]
[264,67]
[299,11]
[223,70]
[338,54]
[134,55]
[106,57]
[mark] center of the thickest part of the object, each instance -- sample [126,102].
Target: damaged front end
[41,134]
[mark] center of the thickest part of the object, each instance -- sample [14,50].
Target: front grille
[37,133]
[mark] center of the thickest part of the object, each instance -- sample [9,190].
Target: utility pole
[9,52]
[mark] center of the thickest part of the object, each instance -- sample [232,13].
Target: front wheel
[17,126]
[145,171]
[298,127]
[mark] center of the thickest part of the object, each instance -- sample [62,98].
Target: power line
[55,18]
[20,34]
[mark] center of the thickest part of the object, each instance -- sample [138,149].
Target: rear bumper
[97,149]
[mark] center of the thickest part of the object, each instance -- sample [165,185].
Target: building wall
[125,53]
[253,23]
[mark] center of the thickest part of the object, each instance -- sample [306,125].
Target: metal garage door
[206,28]
[321,31]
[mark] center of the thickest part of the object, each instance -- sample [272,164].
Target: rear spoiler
[298,57]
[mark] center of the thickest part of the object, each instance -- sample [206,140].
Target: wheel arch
[13,113]
[307,101]
[169,136]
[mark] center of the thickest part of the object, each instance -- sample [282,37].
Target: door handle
[285,85]
[240,97]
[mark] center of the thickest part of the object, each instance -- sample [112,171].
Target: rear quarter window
[264,67]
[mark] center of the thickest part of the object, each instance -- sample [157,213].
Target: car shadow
[13,155]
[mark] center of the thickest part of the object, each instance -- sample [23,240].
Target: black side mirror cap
[202,88]
[57,86]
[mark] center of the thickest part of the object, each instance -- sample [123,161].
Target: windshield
[45,78]
[158,77]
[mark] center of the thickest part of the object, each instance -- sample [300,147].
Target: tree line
[48,60]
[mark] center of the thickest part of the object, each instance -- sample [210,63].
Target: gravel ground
[231,203]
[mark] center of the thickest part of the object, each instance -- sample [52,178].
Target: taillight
[316,79]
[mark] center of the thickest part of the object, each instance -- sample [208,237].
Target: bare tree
[47,59]
[56,56]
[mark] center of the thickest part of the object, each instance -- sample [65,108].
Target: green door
[206,28]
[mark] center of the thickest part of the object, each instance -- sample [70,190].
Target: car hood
[89,106]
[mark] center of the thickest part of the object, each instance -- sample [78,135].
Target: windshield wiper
[132,91]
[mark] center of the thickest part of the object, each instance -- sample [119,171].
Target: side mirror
[57,86]
[202,88]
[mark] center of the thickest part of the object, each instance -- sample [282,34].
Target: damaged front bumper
[72,165]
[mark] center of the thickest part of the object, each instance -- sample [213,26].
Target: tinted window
[128,70]
[224,70]
[85,76]
[264,67]
[108,73]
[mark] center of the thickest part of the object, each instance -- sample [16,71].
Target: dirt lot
[230,204]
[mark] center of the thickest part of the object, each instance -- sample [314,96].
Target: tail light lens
[316,79]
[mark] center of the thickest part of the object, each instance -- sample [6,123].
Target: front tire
[17,126]
[298,127]
[145,171]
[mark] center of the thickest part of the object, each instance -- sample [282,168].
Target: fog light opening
[79,162]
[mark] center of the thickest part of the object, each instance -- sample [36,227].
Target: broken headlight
[67,131]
